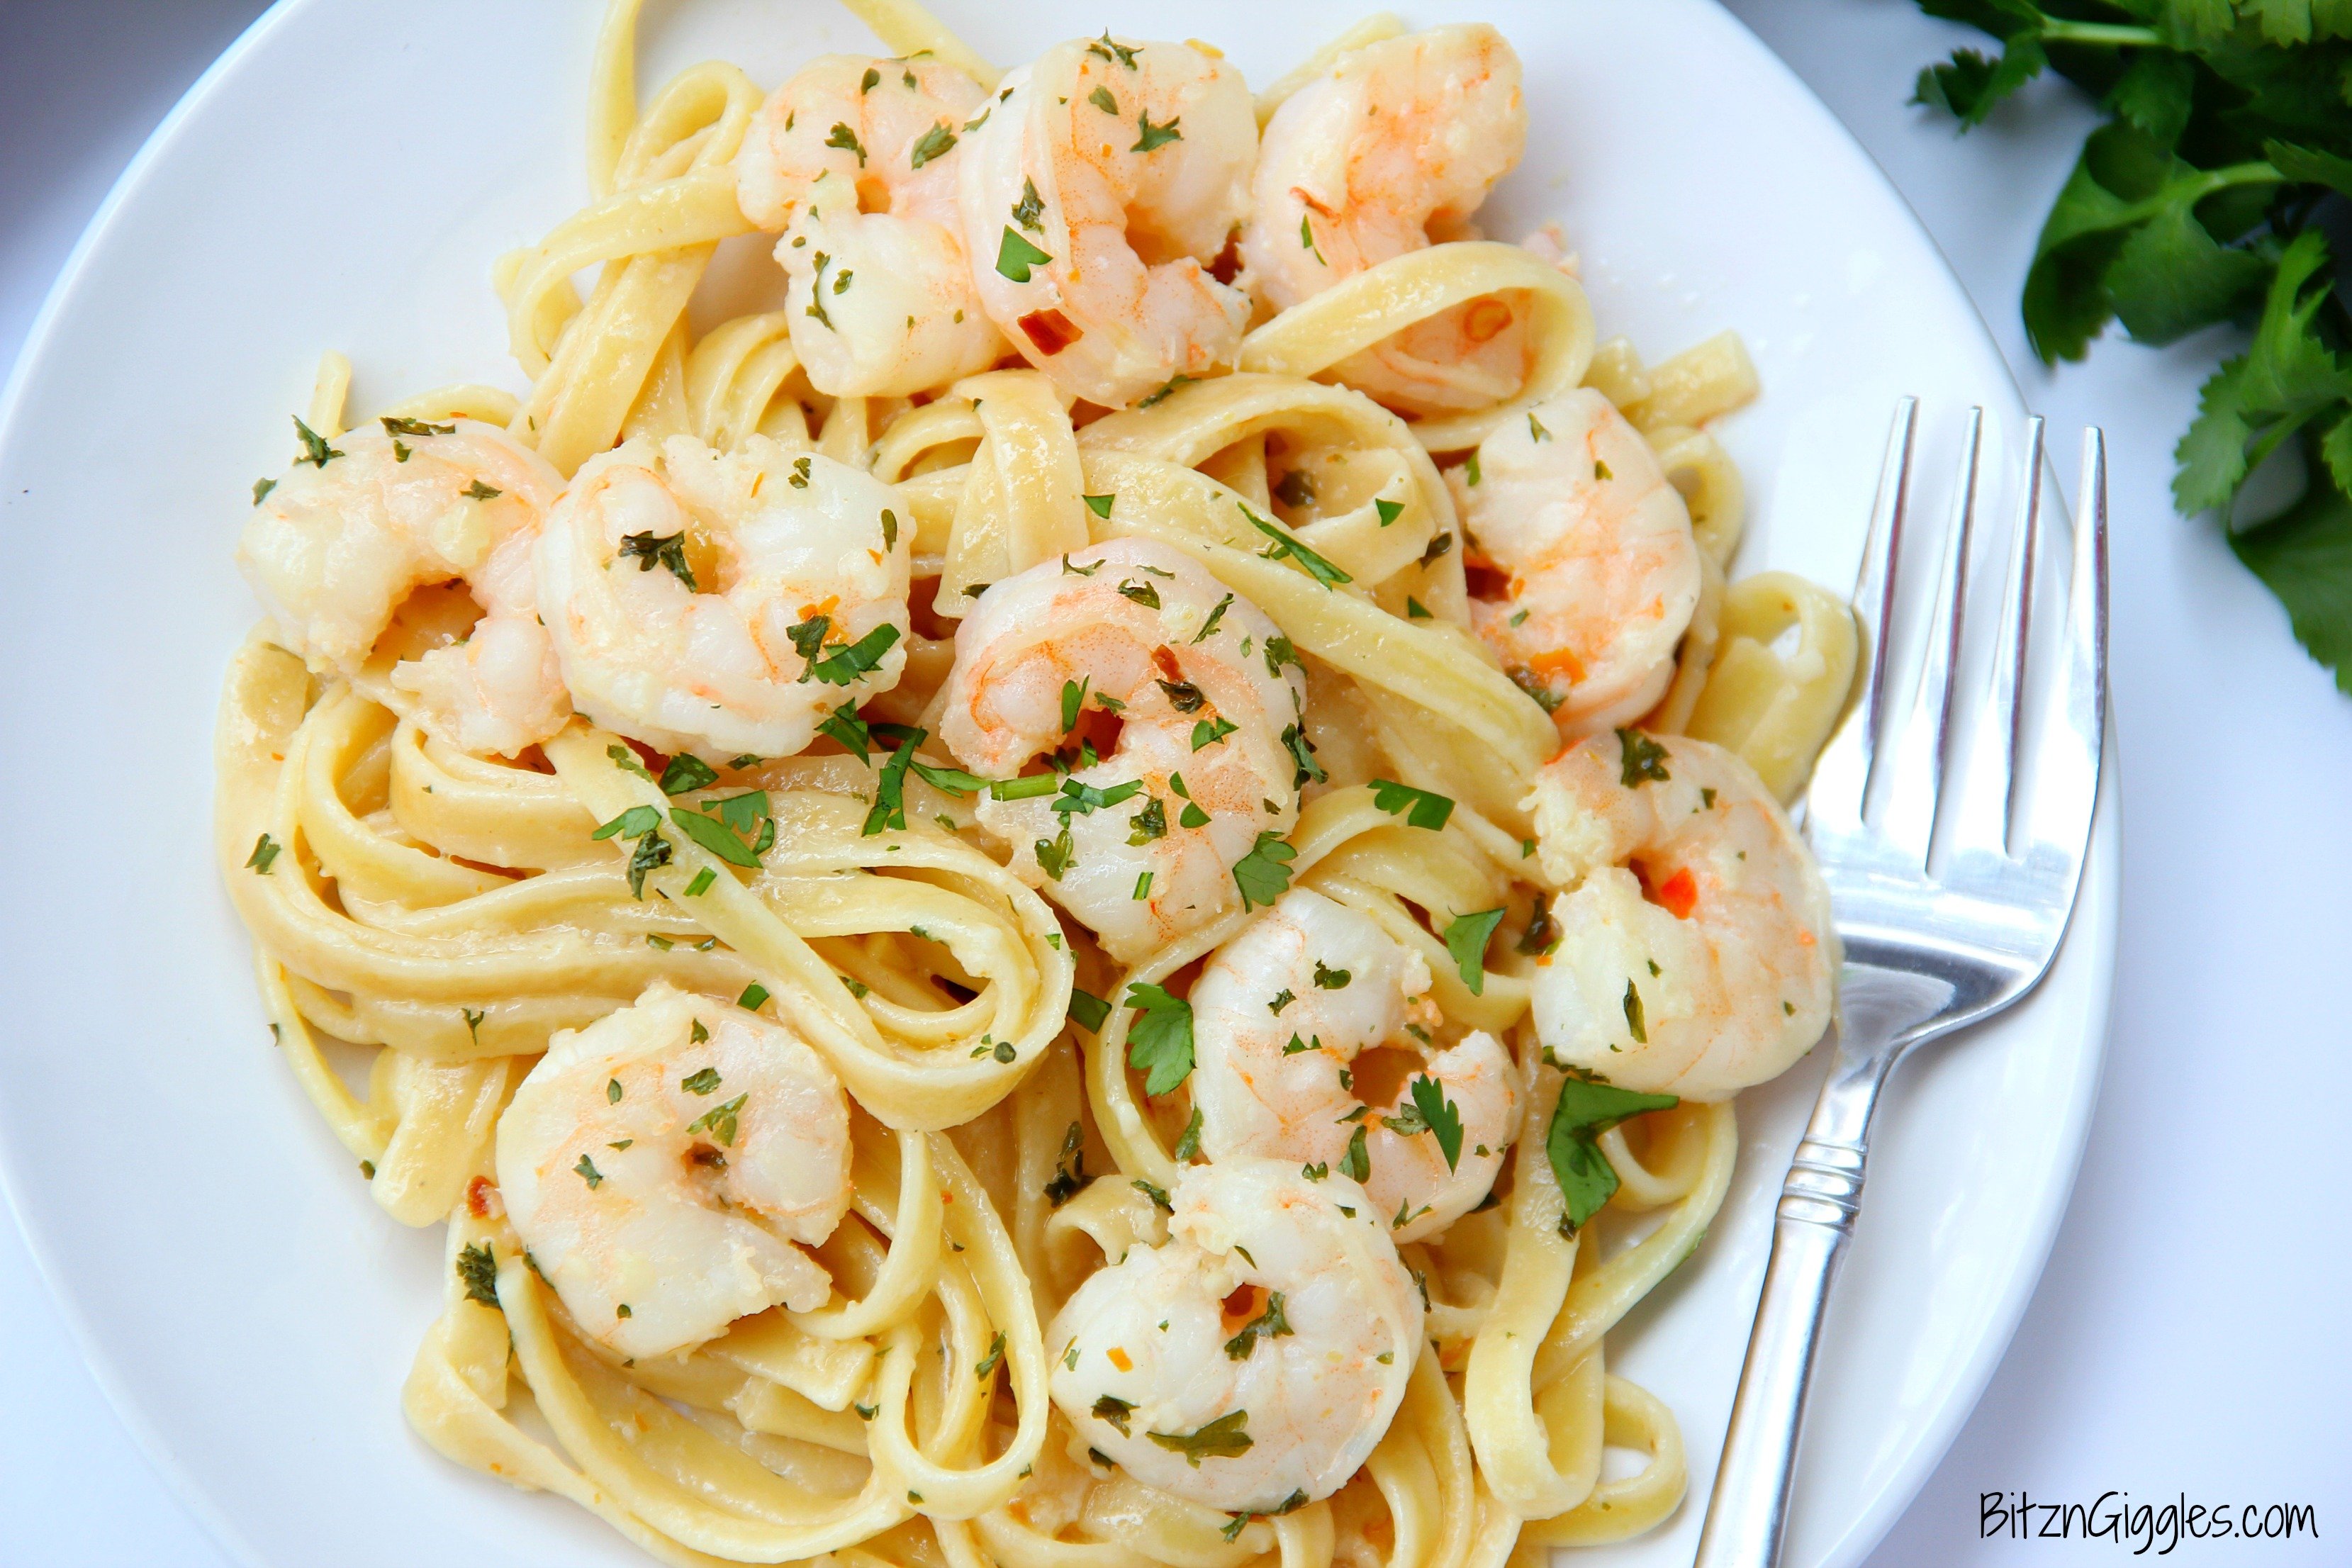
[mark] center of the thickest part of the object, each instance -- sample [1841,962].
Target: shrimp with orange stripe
[1694,953]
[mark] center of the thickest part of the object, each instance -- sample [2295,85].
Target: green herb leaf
[1443,1117]
[1026,212]
[1264,874]
[1465,940]
[1641,759]
[936,142]
[1101,98]
[1585,1111]
[754,995]
[1285,544]
[1188,1146]
[1305,769]
[1055,855]
[1419,808]
[715,836]
[1222,1438]
[650,550]
[587,1172]
[1070,1171]
[719,1119]
[1113,1410]
[688,771]
[844,665]
[1154,136]
[1088,1009]
[264,855]
[842,137]
[1356,1164]
[477,1270]
[1160,1041]
[1015,255]
[1271,1323]
[1389,510]
[1100,507]
[315,450]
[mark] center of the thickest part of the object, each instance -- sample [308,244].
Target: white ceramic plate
[342,178]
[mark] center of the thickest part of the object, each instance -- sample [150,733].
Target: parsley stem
[2111,35]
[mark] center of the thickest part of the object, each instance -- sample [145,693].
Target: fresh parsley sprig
[2227,134]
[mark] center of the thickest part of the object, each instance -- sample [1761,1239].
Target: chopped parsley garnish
[1306,770]
[718,835]
[1222,1438]
[1389,510]
[1148,824]
[688,771]
[1644,759]
[1143,594]
[1167,390]
[1285,544]
[753,996]
[842,137]
[1419,808]
[1070,1171]
[1633,1020]
[477,1270]
[1184,696]
[1188,1146]
[845,727]
[1209,732]
[474,1018]
[1015,255]
[1297,488]
[1113,1410]
[889,808]
[1282,998]
[1540,694]
[1414,610]
[1465,940]
[1280,650]
[1105,48]
[844,665]
[477,491]
[262,487]
[719,1119]
[627,761]
[1088,1009]
[1101,98]
[1160,1041]
[650,550]
[932,144]
[1083,799]
[1271,1323]
[395,426]
[265,854]
[1356,1164]
[1154,136]
[1306,238]
[1216,616]
[1543,932]
[1055,855]
[1329,979]
[1159,1195]
[1074,698]
[1436,551]
[1100,507]
[872,80]
[995,1358]
[1264,874]
[701,1081]
[1031,207]
[1536,432]
[1430,1111]
[588,1173]
[1585,1111]
[315,450]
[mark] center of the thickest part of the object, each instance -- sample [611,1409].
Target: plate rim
[1968,1375]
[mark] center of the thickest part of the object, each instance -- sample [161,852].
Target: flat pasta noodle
[448,915]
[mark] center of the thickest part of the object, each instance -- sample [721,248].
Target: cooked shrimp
[1106,181]
[1182,705]
[1696,954]
[856,160]
[337,543]
[724,601]
[1279,1015]
[1253,1359]
[660,1164]
[1393,148]
[1600,568]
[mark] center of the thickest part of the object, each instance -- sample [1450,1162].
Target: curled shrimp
[1106,181]
[1694,953]
[662,1164]
[1594,569]
[856,160]
[1280,1015]
[1173,707]
[1251,1361]
[344,536]
[724,601]
[1392,148]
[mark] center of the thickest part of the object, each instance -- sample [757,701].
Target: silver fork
[1925,951]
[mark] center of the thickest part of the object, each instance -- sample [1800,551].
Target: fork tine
[1987,797]
[1908,820]
[2067,758]
[1842,777]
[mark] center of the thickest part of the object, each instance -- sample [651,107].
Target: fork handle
[1749,1507]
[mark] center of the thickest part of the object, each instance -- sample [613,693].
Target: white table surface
[2189,1333]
